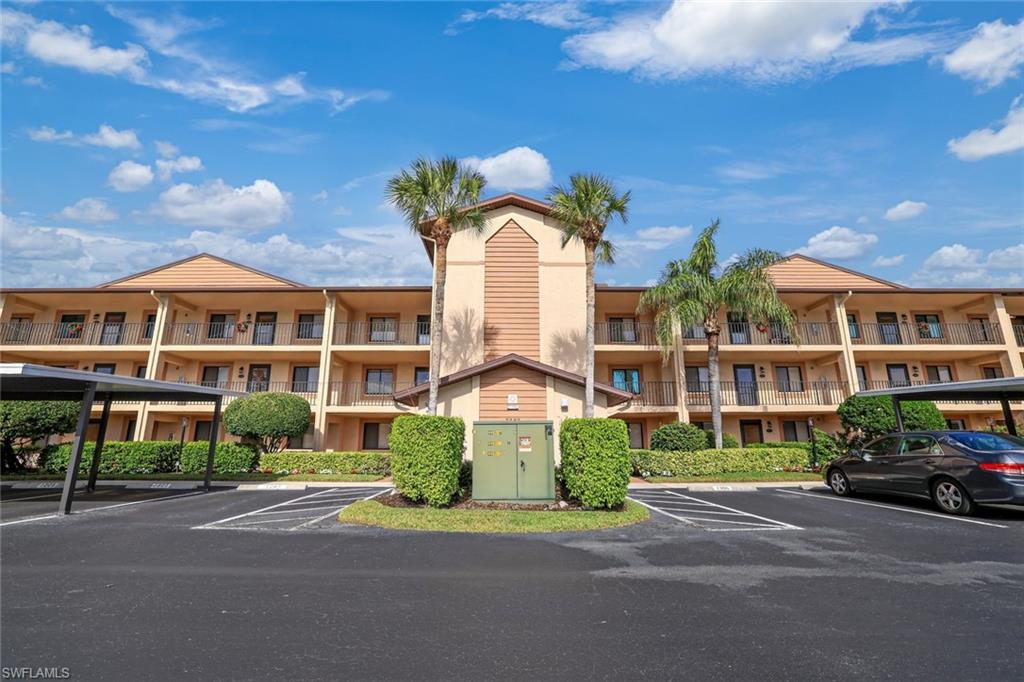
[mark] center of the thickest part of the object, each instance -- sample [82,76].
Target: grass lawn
[739,477]
[336,478]
[372,513]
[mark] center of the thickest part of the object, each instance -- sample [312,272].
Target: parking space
[40,502]
[304,512]
[703,513]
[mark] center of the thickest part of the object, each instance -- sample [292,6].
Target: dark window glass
[311,326]
[202,431]
[375,435]
[422,375]
[104,368]
[881,446]
[380,382]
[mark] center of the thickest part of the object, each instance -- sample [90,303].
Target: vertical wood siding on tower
[529,385]
[511,294]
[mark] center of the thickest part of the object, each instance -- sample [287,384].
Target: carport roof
[1007,388]
[37,382]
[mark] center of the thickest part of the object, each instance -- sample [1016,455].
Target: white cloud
[751,170]
[517,168]
[342,210]
[165,149]
[956,265]
[183,164]
[993,54]
[562,15]
[1010,258]
[47,134]
[88,210]
[664,235]
[8,68]
[953,256]
[862,220]
[906,210]
[839,243]
[108,136]
[34,81]
[750,41]
[320,196]
[129,176]
[217,204]
[888,261]
[985,142]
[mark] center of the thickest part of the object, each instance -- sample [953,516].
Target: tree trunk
[437,321]
[714,392]
[588,393]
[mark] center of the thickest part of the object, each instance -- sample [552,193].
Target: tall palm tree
[693,290]
[440,195]
[583,211]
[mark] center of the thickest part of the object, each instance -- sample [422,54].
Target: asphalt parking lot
[183,585]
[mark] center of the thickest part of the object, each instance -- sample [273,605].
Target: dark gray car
[957,470]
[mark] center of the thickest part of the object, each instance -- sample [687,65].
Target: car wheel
[951,497]
[839,483]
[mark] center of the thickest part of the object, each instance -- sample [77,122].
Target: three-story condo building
[513,342]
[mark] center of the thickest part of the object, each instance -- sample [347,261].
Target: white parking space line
[947,517]
[336,511]
[709,516]
[305,511]
[105,507]
[212,524]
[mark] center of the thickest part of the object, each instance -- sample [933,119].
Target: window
[795,431]
[71,326]
[113,328]
[383,330]
[992,372]
[987,442]
[140,371]
[303,442]
[104,368]
[697,379]
[423,330]
[216,376]
[259,378]
[981,328]
[375,435]
[422,375]
[636,435]
[221,326]
[862,377]
[739,328]
[305,379]
[928,326]
[202,431]
[851,322]
[881,447]
[311,326]
[622,330]
[939,374]
[920,445]
[148,325]
[789,378]
[626,379]
[129,433]
[264,329]
[703,426]
[19,330]
[380,381]
[956,425]
[898,375]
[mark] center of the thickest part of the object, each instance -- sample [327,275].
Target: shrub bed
[728,440]
[678,437]
[125,457]
[595,461]
[378,463]
[827,448]
[228,458]
[648,463]
[426,457]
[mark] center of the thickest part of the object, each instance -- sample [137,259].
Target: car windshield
[988,442]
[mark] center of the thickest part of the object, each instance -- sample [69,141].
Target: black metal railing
[925,333]
[244,333]
[773,334]
[770,393]
[629,334]
[383,333]
[76,333]
[305,389]
[368,393]
[1018,334]
[883,384]
[650,393]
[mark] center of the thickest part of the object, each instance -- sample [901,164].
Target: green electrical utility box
[513,462]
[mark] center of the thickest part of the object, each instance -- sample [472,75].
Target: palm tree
[692,291]
[440,195]
[583,211]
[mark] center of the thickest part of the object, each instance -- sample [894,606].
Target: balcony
[364,393]
[651,393]
[873,385]
[769,393]
[751,334]
[925,333]
[244,334]
[388,333]
[625,334]
[76,333]
[304,389]
[1018,333]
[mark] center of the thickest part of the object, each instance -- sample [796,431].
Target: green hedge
[826,448]
[712,462]
[426,457]
[228,458]
[118,457]
[326,463]
[728,440]
[680,437]
[595,460]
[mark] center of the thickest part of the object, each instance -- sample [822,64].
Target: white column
[1011,359]
[323,387]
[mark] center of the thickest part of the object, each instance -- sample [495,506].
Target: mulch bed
[465,501]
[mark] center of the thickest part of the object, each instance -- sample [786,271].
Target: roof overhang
[1007,388]
[38,382]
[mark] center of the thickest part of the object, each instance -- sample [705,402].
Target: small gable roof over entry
[202,270]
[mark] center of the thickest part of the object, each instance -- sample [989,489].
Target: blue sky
[885,137]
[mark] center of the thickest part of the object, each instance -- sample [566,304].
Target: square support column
[1011,426]
[214,431]
[899,413]
[101,438]
[67,495]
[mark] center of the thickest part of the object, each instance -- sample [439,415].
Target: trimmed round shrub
[728,440]
[303,462]
[678,437]
[268,419]
[24,421]
[228,458]
[866,418]
[426,457]
[595,460]
[648,463]
[118,457]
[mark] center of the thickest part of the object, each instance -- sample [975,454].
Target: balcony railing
[617,333]
[770,393]
[651,393]
[873,385]
[305,389]
[244,334]
[76,333]
[1018,333]
[753,334]
[382,333]
[925,333]
[364,393]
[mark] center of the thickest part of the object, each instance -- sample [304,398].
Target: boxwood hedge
[326,463]
[712,462]
[118,457]
[426,457]
[228,458]
[679,436]
[595,460]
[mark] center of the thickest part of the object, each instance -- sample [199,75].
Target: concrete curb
[737,486]
[190,485]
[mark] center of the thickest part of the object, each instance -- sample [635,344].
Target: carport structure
[1000,390]
[37,382]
